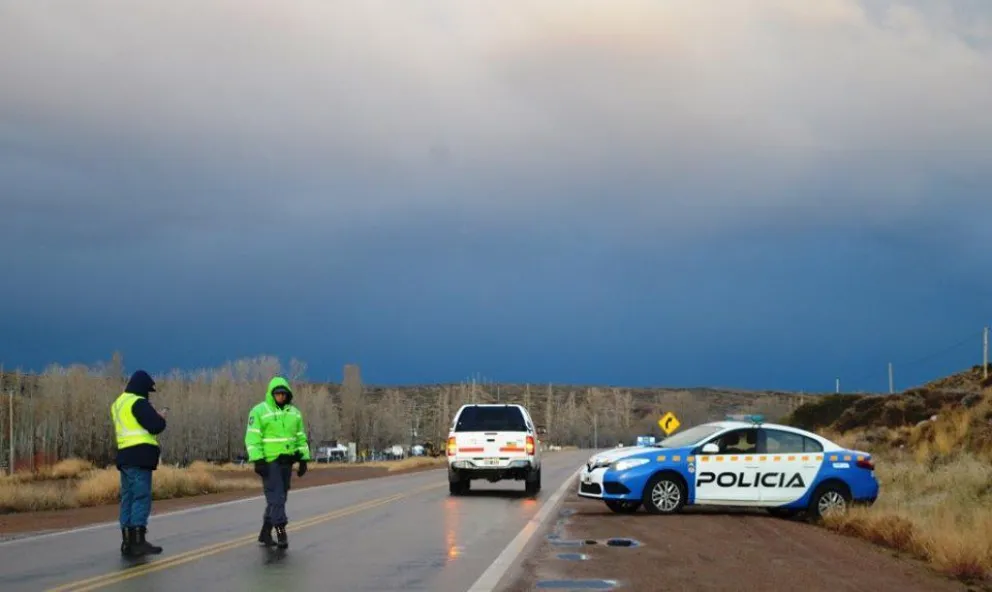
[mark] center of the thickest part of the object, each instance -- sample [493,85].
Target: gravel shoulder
[710,550]
[20,524]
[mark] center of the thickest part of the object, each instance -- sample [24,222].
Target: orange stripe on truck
[474,449]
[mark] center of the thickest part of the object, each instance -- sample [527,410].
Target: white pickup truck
[493,442]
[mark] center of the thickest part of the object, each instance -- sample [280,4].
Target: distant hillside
[950,414]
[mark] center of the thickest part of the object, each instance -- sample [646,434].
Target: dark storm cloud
[336,143]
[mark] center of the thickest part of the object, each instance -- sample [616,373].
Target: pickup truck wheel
[460,487]
[533,486]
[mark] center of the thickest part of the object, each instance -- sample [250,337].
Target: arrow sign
[668,423]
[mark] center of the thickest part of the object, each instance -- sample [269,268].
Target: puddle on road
[577,584]
[622,542]
[573,543]
[573,556]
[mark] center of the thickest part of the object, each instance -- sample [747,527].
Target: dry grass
[71,468]
[94,487]
[939,511]
[32,497]
[936,483]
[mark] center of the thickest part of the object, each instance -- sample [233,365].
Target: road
[392,533]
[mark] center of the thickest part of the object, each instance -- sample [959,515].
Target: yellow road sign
[669,423]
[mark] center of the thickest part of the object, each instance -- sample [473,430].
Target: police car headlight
[628,463]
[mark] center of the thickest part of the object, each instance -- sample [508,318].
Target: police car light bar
[754,418]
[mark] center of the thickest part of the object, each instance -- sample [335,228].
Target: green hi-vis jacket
[273,432]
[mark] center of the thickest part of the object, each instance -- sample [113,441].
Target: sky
[736,193]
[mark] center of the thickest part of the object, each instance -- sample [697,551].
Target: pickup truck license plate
[491,462]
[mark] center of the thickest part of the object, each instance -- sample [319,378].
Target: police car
[738,462]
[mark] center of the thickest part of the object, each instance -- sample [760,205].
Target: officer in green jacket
[275,439]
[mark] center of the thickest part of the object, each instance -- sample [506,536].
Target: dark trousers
[136,496]
[276,487]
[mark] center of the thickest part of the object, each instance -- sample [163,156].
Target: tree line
[64,412]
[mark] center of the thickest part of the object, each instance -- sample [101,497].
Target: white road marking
[492,576]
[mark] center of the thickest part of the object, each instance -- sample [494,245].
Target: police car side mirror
[711,448]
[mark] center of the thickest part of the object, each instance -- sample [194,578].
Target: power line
[916,361]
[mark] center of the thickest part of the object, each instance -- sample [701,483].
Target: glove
[302,470]
[261,468]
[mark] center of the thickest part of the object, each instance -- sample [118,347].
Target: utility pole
[595,431]
[891,384]
[10,403]
[985,353]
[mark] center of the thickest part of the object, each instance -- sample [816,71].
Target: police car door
[728,476]
[790,462]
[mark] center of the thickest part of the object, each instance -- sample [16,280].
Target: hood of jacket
[140,384]
[276,384]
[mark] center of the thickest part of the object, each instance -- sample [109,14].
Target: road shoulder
[507,565]
[708,550]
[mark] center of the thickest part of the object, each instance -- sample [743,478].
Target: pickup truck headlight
[628,463]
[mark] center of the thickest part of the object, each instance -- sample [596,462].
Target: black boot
[281,534]
[127,542]
[144,547]
[265,537]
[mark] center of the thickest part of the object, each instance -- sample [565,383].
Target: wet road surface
[392,533]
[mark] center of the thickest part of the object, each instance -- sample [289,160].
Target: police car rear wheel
[829,500]
[664,494]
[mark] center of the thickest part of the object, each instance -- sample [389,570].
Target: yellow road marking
[191,556]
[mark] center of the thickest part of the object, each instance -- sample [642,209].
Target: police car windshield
[689,437]
[491,419]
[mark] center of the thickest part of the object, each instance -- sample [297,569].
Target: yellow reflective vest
[126,427]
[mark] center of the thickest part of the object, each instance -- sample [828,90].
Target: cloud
[660,113]
[632,118]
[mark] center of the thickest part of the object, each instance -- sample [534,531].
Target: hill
[933,452]
[951,414]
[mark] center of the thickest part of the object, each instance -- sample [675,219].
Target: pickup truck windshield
[491,419]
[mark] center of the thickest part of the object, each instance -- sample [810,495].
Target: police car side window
[780,442]
[737,441]
[811,445]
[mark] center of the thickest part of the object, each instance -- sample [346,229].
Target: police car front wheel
[664,494]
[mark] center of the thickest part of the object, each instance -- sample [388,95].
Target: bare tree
[64,412]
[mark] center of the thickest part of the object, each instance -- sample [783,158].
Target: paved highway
[393,533]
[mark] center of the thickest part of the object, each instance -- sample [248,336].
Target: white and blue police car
[738,462]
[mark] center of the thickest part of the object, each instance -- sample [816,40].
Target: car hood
[604,458]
